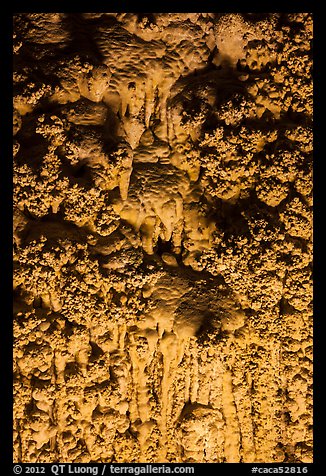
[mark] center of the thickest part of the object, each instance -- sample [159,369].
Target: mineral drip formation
[162,237]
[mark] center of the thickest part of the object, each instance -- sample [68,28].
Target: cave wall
[162,237]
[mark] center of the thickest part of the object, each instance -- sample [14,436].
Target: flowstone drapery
[163,237]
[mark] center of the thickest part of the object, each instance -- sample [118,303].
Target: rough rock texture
[163,248]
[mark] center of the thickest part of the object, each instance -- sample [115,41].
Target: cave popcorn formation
[162,237]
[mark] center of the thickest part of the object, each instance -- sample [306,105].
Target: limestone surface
[163,237]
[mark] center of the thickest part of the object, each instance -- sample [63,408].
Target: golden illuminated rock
[162,237]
